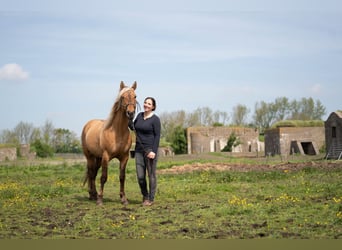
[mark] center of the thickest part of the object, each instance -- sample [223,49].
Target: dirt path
[245,167]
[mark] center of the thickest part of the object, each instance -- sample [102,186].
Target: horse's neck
[117,121]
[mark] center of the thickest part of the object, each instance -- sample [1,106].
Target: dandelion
[337,200]
[287,198]
[239,202]
[5,186]
[117,225]
[131,217]
[339,215]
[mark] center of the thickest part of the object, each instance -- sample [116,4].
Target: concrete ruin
[333,135]
[214,139]
[10,153]
[294,140]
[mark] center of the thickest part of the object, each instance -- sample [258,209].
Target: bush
[42,150]
[178,143]
[233,141]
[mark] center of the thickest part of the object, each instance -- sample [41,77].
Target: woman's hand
[151,155]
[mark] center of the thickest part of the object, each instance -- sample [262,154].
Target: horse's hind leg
[93,166]
[104,176]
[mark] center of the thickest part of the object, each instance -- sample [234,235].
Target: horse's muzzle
[130,115]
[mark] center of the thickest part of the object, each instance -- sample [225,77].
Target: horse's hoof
[93,196]
[124,202]
[99,202]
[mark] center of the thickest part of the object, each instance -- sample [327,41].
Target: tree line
[47,140]
[265,114]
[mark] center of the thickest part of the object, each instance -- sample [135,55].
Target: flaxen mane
[115,108]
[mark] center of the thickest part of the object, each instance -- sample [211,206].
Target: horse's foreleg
[123,164]
[104,177]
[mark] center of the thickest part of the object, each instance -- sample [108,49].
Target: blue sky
[63,61]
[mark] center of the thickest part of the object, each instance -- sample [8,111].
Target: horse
[103,140]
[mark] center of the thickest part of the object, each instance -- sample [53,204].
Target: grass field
[46,200]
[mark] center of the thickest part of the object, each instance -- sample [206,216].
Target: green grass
[43,201]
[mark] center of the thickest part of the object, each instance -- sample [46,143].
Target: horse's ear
[134,85]
[122,85]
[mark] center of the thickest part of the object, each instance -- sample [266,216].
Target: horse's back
[96,140]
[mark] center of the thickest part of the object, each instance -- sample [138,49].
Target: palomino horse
[103,140]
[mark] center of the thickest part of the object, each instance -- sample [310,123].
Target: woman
[147,127]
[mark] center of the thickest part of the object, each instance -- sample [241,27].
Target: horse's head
[128,99]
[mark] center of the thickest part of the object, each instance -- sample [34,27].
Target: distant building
[8,154]
[214,139]
[333,135]
[294,140]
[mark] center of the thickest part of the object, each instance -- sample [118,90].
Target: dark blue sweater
[148,133]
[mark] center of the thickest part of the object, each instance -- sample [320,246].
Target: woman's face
[148,105]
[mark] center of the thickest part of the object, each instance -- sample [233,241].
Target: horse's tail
[86,178]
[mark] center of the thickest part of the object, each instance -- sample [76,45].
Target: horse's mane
[115,108]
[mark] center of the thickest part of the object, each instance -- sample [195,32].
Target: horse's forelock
[125,89]
[121,92]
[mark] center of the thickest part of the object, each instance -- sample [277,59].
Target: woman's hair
[153,102]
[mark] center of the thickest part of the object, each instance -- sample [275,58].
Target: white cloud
[13,71]
[316,89]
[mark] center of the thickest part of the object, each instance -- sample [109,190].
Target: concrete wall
[289,140]
[8,154]
[214,139]
[25,151]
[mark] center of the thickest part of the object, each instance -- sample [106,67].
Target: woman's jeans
[145,165]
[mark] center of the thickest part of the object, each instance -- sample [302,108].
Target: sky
[63,61]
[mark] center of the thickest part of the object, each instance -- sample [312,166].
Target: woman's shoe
[147,203]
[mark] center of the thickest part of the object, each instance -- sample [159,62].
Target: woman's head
[150,102]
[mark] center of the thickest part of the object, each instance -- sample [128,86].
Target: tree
[306,109]
[263,115]
[169,121]
[23,131]
[47,132]
[205,116]
[65,141]
[220,117]
[319,111]
[281,108]
[232,142]
[266,114]
[8,137]
[239,116]
[36,135]
[178,141]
